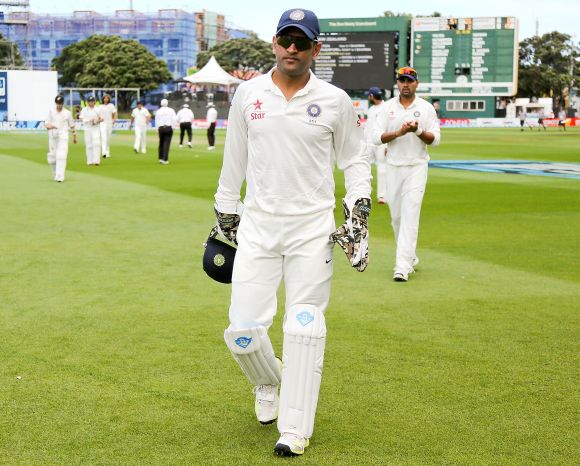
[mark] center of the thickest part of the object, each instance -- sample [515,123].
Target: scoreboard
[465,56]
[357,60]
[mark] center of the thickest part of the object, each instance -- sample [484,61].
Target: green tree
[10,57]
[243,54]
[549,66]
[108,62]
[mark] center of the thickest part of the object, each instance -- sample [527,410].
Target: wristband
[419,132]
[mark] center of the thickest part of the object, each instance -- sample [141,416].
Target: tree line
[549,65]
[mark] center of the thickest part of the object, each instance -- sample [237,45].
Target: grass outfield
[111,348]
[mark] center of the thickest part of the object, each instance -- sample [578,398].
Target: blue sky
[262,16]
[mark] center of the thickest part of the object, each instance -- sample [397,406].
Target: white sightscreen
[30,94]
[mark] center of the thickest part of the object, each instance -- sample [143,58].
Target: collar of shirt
[413,104]
[305,90]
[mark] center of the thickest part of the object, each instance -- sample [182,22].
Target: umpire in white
[185,119]
[286,131]
[165,121]
[408,124]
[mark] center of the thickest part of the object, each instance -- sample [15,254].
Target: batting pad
[304,341]
[253,351]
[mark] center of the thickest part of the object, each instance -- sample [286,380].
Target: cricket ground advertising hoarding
[465,56]
[3,96]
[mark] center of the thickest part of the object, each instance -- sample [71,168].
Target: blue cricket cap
[375,91]
[305,20]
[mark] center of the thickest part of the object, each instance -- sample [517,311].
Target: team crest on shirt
[257,114]
[391,115]
[314,110]
[417,113]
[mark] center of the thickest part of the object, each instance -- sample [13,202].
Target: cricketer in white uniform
[408,124]
[58,123]
[91,117]
[378,153]
[140,117]
[286,131]
[108,113]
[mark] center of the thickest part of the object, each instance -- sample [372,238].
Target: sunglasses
[301,43]
[408,71]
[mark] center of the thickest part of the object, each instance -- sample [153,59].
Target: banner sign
[514,167]
[3,96]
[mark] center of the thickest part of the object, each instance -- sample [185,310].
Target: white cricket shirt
[63,120]
[286,150]
[106,112]
[370,126]
[165,116]
[407,149]
[90,116]
[211,115]
[185,115]
[140,115]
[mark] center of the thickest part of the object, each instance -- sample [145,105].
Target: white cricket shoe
[211,148]
[290,445]
[401,277]
[267,402]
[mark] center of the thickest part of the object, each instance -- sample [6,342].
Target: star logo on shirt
[257,104]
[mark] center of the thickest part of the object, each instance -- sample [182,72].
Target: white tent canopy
[212,73]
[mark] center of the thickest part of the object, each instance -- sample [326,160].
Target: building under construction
[173,35]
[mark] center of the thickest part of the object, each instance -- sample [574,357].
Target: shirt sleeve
[433,126]
[350,152]
[380,125]
[235,161]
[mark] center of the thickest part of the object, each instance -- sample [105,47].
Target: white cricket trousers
[106,130]
[296,249]
[93,144]
[272,247]
[405,190]
[57,152]
[381,161]
[140,138]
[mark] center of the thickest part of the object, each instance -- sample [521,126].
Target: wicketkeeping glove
[227,226]
[353,235]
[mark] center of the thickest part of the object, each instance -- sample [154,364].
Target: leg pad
[252,350]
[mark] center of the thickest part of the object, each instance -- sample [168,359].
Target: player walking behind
[58,123]
[91,118]
[286,131]
[408,124]
[108,113]
[140,117]
[378,153]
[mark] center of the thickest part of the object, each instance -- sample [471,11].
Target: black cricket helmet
[218,260]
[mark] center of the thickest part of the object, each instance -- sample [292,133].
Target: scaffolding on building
[172,35]
[14,15]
